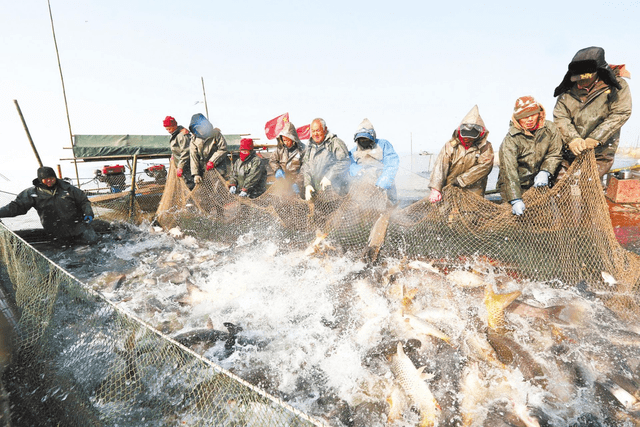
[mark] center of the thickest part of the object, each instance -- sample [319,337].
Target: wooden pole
[33,146]
[59,172]
[206,108]
[132,195]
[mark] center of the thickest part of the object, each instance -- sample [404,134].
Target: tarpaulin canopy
[94,147]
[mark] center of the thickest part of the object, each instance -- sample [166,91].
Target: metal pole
[132,195]
[206,108]
[28,134]
[64,92]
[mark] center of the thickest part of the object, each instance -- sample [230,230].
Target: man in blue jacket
[374,159]
[64,210]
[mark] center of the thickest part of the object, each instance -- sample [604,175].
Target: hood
[289,130]
[541,119]
[588,60]
[472,118]
[365,130]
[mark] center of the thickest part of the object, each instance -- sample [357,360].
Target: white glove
[307,192]
[435,196]
[243,194]
[541,179]
[325,183]
[197,179]
[517,207]
[232,189]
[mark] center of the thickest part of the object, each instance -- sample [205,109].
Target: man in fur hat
[530,153]
[593,104]
[64,210]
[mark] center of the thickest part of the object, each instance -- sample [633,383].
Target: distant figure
[208,149]
[180,142]
[530,153]
[465,160]
[249,173]
[593,104]
[286,161]
[65,211]
[374,160]
[325,162]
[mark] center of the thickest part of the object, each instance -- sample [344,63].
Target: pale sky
[413,68]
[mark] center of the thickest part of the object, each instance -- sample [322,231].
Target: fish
[424,327]
[473,393]
[608,278]
[195,296]
[412,382]
[478,345]
[424,266]
[319,246]
[496,304]
[545,313]
[511,353]
[397,401]
[376,238]
[175,232]
[466,279]
[625,398]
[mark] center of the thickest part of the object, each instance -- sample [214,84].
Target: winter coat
[380,163]
[599,114]
[288,159]
[212,149]
[466,168]
[330,158]
[180,142]
[61,208]
[250,175]
[523,154]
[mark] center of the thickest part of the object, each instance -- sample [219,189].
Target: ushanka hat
[46,172]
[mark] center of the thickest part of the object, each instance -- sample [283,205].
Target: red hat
[246,144]
[169,121]
[526,106]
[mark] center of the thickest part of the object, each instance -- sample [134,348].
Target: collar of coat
[477,145]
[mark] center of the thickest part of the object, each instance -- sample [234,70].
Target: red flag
[304,132]
[273,127]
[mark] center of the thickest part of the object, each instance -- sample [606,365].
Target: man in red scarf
[465,160]
[249,172]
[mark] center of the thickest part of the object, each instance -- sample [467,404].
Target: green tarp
[92,146]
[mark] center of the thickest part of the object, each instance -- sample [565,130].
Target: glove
[295,188]
[384,182]
[197,179]
[541,179]
[591,143]
[279,174]
[435,196]
[577,146]
[308,190]
[87,219]
[325,183]
[232,189]
[517,207]
[243,193]
[179,173]
[210,166]
[355,169]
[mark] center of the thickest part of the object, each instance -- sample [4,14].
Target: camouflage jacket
[250,175]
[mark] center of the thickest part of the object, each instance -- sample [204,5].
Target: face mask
[243,156]
[365,143]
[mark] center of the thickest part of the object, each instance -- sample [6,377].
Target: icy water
[322,331]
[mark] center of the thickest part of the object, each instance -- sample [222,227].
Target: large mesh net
[566,234]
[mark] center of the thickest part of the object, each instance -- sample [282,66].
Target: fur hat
[46,172]
[586,61]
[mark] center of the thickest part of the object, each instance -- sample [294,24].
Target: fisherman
[248,173]
[593,104]
[65,211]
[208,149]
[374,159]
[287,159]
[465,160]
[325,162]
[530,153]
[179,142]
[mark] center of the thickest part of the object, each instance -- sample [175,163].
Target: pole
[411,150]
[206,108]
[33,146]
[132,195]
[59,172]
[64,92]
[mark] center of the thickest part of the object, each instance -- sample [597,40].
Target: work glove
[295,188]
[517,207]
[308,191]
[384,182]
[232,189]
[197,179]
[591,143]
[210,166]
[243,193]
[325,183]
[179,173]
[279,174]
[577,146]
[435,196]
[355,169]
[87,219]
[541,179]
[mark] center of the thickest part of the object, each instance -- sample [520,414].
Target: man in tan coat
[287,159]
[593,104]
[208,149]
[465,160]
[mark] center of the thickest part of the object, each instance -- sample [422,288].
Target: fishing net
[564,237]
[95,365]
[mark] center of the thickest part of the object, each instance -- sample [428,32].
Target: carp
[496,304]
